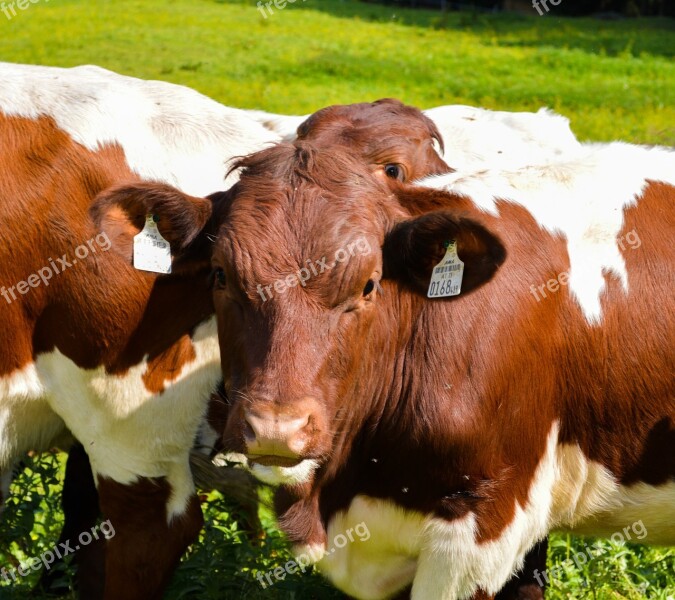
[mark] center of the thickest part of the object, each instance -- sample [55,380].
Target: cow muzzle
[277,437]
[275,440]
[278,443]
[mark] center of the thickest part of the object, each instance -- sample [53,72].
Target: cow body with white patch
[122,360]
[461,431]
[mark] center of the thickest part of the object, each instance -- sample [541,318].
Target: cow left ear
[121,213]
[415,246]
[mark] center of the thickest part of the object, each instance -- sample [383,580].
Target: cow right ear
[121,212]
[415,246]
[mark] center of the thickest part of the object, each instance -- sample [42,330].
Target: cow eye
[218,279]
[368,289]
[393,171]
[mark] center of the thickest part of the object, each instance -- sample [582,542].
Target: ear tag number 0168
[446,278]
[151,251]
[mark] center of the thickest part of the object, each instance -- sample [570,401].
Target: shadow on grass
[623,37]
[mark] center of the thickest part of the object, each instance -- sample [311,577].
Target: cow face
[397,142]
[318,266]
[313,264]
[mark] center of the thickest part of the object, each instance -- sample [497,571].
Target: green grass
[614,80]
[222,566]
[225,562]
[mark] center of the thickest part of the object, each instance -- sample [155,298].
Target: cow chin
[273,475]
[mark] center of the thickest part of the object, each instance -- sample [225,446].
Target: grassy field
[614,80]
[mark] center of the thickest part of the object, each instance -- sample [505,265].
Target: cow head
[313,263]
[398,142]
[316,263]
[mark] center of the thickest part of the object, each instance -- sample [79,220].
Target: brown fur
[111,327]
[442,393]
[136,314]
[102,311]
[133,558]
[385,132]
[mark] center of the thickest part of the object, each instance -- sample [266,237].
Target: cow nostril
[276,435]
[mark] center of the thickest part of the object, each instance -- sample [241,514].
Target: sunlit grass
[614,79]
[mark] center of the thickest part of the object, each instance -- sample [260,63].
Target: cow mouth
[274,461]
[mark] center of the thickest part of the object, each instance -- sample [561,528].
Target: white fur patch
[310,553]
[285,126]
[300,473]
[443,559]
[588,500]
[476,138]
[26,420]
[207,437]
[22,384]
[451,548]
[583,199]
[168,132]
[127,431]
[385,563]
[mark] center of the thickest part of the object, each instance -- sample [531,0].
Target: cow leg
[81,512]
[5,480]
[470,569]
[149,536]
[525,585]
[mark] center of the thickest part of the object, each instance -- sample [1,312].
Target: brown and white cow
[462,430]
[121,359]
[397,144]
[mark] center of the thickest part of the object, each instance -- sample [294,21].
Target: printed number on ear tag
[446,278]
[151,251]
